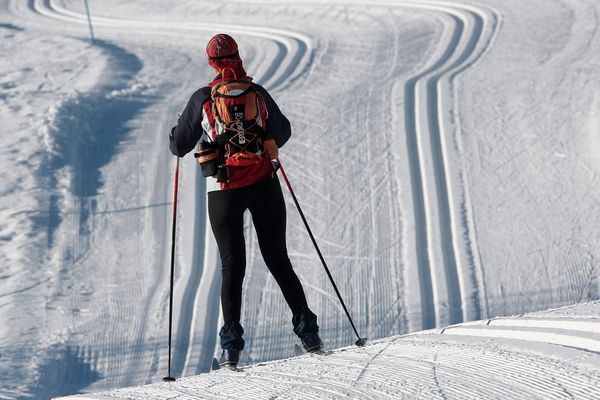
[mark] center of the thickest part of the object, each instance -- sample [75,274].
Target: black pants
[226,210]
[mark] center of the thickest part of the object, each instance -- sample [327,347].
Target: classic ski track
[442,265]
[289,42]
[293,42]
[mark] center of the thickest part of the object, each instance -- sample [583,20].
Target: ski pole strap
[361,341]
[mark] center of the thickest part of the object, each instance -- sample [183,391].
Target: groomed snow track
[531,357]
[450,275]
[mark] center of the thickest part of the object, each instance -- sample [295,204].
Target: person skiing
[243,128]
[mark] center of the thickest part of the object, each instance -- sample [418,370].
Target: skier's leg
[269,217]
[268,213]
[226,211]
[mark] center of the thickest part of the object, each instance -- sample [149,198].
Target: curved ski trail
[451,282]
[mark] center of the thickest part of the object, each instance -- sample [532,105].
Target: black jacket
[187,133]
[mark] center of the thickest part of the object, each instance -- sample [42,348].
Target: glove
[271,149]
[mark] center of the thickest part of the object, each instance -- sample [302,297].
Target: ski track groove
[416,154]
[468,220]
[199,272]
[458,301]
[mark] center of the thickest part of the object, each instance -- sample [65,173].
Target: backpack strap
[215,90]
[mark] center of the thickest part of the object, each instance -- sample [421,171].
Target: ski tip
[215,365]
[361,342]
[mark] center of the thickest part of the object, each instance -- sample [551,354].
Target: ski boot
[305,326]
[230,358]
[312,342]
[232,344]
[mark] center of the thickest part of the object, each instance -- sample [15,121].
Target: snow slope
[445,153]
[553,355]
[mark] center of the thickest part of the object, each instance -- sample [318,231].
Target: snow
[446,155]
[549,355]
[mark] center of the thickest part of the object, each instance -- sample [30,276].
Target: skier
[241,162]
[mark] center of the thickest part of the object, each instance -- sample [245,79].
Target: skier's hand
[271,148]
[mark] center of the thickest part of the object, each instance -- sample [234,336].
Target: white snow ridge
[446,154]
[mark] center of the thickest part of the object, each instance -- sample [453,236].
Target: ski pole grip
[275,164]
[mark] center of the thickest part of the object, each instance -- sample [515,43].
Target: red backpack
[240,119]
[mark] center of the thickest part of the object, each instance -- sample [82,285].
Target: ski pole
[169,378]
[361,341]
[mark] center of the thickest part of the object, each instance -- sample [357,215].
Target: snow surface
[550,355]
[446,154]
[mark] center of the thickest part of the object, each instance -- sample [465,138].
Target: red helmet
[221,46]
[222,52]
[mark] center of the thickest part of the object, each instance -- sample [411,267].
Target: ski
[300,351]
[216,366]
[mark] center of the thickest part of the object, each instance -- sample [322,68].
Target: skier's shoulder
[201,95]
[269,101]
[261,90]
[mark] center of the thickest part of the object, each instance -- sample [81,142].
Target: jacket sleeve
[278,126]
[187,132]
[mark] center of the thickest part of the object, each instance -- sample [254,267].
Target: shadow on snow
[65,370]
[86,135]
